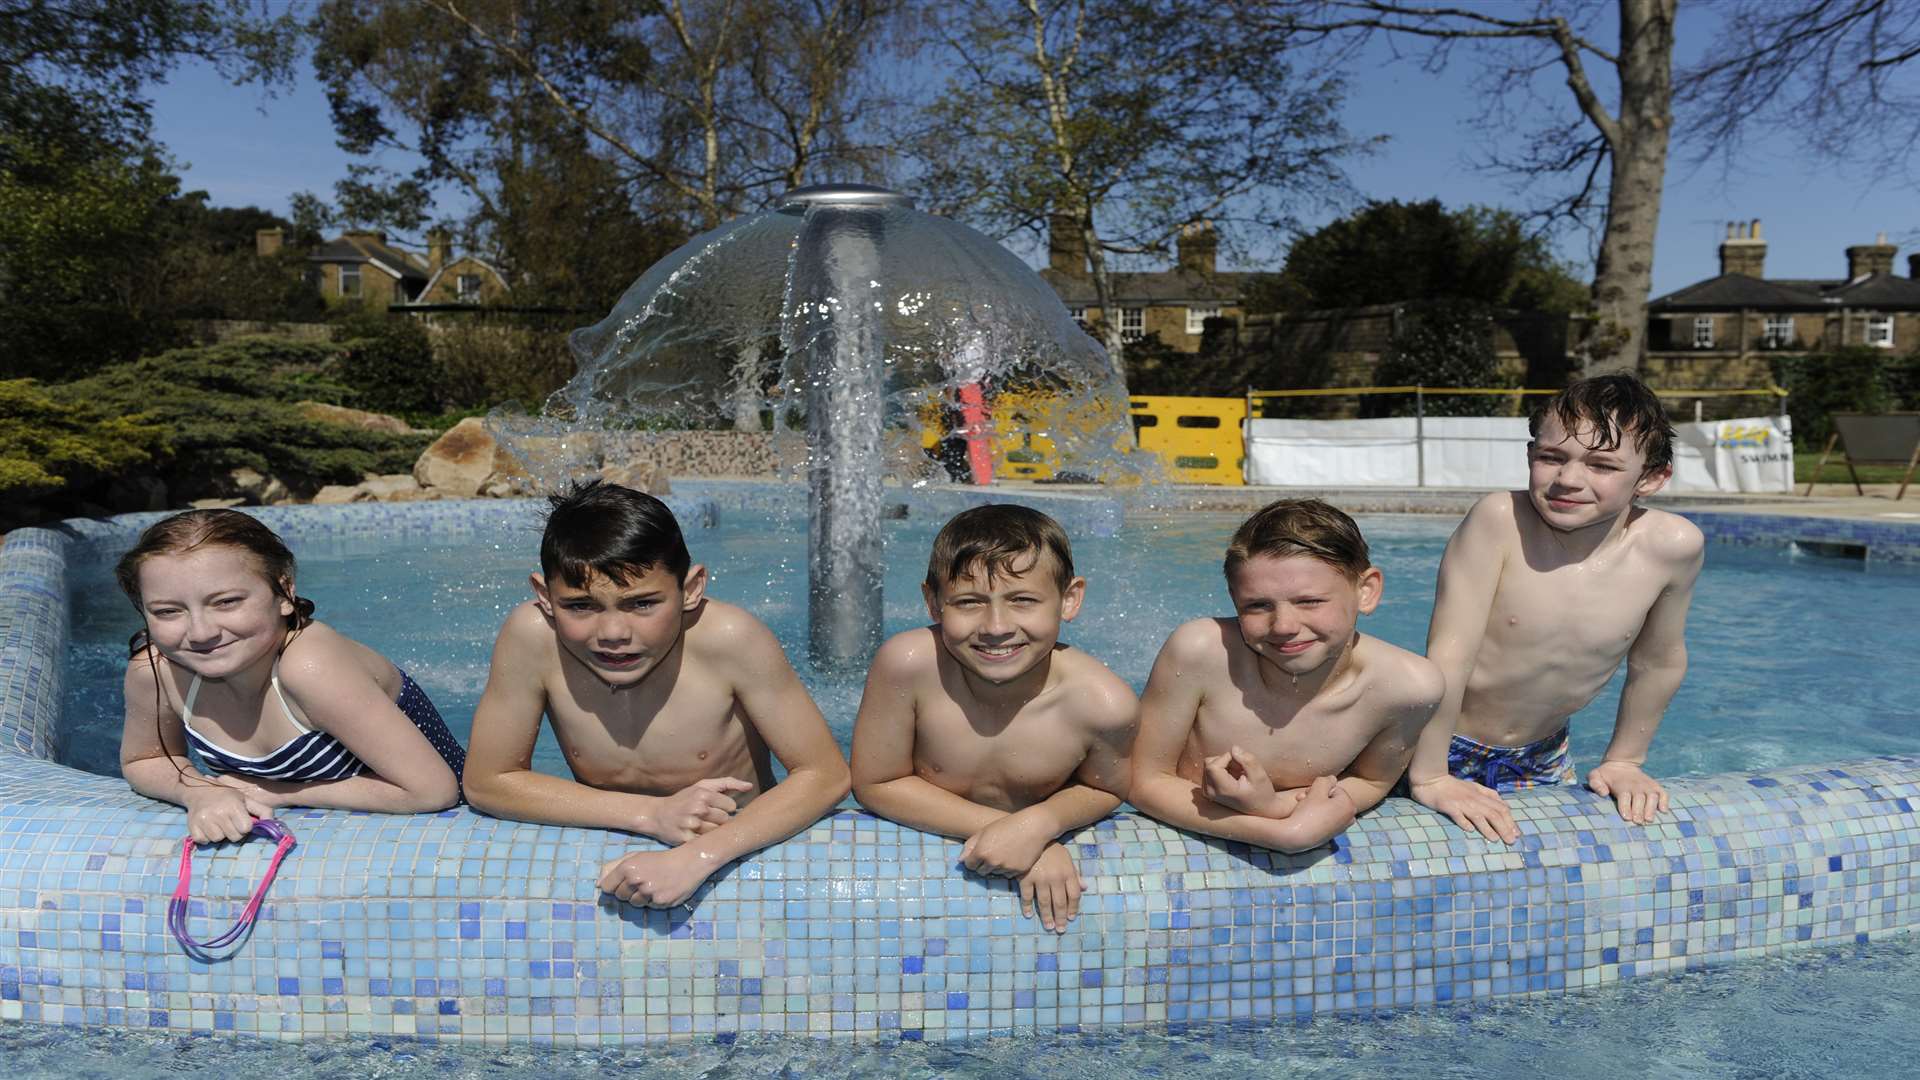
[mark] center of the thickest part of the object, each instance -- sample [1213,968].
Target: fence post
[1246,441]
[1420,435]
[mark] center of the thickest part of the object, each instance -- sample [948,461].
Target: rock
[216,504]
[336,494]
[393,487]
[460,461]
[355,418]
[256,488]
[638,475]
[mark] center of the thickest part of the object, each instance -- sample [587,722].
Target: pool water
[1840,1014]
[1794,659]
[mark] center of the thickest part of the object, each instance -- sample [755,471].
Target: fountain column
[836,272]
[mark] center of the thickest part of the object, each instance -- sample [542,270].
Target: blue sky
[245,148]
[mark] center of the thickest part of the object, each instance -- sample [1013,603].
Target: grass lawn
[1836,470]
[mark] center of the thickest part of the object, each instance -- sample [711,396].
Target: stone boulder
[337,494]
[638,475]
[394,487]
[460,461]
[354,418]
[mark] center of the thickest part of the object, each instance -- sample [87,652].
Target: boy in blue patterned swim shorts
[1542,593]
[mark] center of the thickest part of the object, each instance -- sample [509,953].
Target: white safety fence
[1751,454]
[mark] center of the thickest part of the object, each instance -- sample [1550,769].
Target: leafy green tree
[1445,343]
[1854,378]
[1389,252]
[1125,120]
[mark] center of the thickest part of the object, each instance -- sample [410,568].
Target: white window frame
[1133,323]
[1703,331]
[1197,319]
[349,273]
[1079,315]
[466,288]
[1880,331]
[1778,331]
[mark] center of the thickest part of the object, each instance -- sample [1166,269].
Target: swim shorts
[1510,768]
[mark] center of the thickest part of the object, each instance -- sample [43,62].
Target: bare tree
[1125,120]
[1617,154]
[1838,72]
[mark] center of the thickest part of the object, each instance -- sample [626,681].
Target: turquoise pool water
[1795,659]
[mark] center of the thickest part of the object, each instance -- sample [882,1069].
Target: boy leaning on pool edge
[1276,726]
[1541,594]
[670,706]
[984,726]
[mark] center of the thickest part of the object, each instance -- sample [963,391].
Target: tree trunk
[1103,295]
[1623,272]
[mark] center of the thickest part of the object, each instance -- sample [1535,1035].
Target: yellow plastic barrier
[1198,437]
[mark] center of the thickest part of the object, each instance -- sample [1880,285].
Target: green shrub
[1856,378]
[48,445]
[231,405]
[487,364]
[390,365]
[1442,343]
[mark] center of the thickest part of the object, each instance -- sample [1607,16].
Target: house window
[1079,315]
[1133,323]
[1703,332]
[1880,331]
[349,281]
[1197,319]
[1779,332]
[467,288]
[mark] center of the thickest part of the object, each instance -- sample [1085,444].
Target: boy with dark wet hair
[1278,725]
[669,705]
[1542,593]
[984,726]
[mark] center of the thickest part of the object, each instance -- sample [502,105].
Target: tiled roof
[1733,291]
[361,248]
[1163,288]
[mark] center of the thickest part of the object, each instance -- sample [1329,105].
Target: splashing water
[839,326]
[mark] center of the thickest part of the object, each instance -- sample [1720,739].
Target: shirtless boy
[984,725]
[1275,727]
[668,705]
[1541,594]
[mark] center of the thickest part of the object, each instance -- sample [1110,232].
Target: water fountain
[846,313]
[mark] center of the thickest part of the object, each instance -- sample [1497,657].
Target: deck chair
[1873,439]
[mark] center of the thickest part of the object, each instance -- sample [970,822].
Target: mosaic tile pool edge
[457,926]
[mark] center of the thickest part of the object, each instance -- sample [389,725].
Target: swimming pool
[463,928]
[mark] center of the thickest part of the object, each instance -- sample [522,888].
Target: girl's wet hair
[1616,407]
[597,529]
[1307,527]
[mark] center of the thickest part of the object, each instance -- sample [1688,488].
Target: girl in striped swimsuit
[280,710]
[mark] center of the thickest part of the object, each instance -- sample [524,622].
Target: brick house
[360,266]
[1175,304]
[463,280]
[1722,332]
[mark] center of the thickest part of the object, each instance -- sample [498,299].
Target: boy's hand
[1325,811]
[1054,887]
[1007,848]
[1237,781]
[1639,797]
[1471,806]
[221,813]
[694,810]
[660,879]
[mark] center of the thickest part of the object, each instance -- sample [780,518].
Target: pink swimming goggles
[177,906]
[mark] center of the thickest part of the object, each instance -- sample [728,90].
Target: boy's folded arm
[884,780]
[786,719]
[1371,776]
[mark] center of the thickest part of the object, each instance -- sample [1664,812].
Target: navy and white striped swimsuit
[315,755]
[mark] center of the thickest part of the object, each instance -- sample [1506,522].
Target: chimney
[1066,245]
[375,235]
[1743,252]
[267,242]
[1913,266]
[439,249]
[1874,258]
[1197,245]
